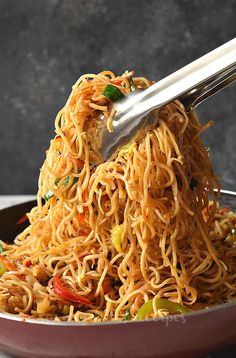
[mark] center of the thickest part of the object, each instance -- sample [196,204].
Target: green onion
[161,303]
[131,82]
[66,181]
[132,85]
[49,194]
[127,315]
[57,181]
[112,92]
[1,248]
[59,122]
[75,180]
[3,268]
[65,310]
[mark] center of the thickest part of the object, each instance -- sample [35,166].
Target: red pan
[191,335]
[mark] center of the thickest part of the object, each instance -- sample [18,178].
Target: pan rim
[47,322]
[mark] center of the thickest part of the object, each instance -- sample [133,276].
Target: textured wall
[46,44]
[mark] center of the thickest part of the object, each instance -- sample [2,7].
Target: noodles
[105,238]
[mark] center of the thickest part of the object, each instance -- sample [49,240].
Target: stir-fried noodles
[132,238]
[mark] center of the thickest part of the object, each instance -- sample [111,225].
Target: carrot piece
[80,164]
[81,218]
[9,265]
[22,219]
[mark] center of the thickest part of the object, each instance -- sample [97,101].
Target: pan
[190,335]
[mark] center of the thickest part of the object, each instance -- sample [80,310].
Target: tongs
[192,84]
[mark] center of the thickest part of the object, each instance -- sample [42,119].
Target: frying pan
[176,336]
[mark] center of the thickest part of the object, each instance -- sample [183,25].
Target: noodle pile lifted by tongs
[135,237]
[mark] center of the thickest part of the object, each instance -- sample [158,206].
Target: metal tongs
[192,84]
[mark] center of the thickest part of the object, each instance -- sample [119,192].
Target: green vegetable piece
[161,303]
[65,310]
[112,92]
[3,268]
[59,122]
[75,180]
[66,181]
[57,181]
[132,85]
[49,194]
[1,249]
[128,316]
[131,82]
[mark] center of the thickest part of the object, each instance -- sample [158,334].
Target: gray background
[46,44]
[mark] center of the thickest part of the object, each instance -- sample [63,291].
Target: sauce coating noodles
[106,238]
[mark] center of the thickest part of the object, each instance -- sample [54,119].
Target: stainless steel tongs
[191,84]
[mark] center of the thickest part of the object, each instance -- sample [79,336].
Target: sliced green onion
[59,122]
[128,316]
[132,85]
[65,310]
[49,194]
[112,92]
[1,248]
[75,180]
[161,303]
[57,181]
[66,181]
[131,82]
[3,268]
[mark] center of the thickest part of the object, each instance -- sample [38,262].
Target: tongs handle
[191,84]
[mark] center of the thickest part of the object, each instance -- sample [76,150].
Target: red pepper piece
[28,263]
[66,294]
[22,219]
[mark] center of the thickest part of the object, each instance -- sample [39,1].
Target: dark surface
[46,45]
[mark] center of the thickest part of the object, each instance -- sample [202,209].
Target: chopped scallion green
[112,92]
[59,122]
[57,181]
[75,180]
[49,194]
[1,249]
[132,85]
[65,310]
[66,181]
[127,315]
